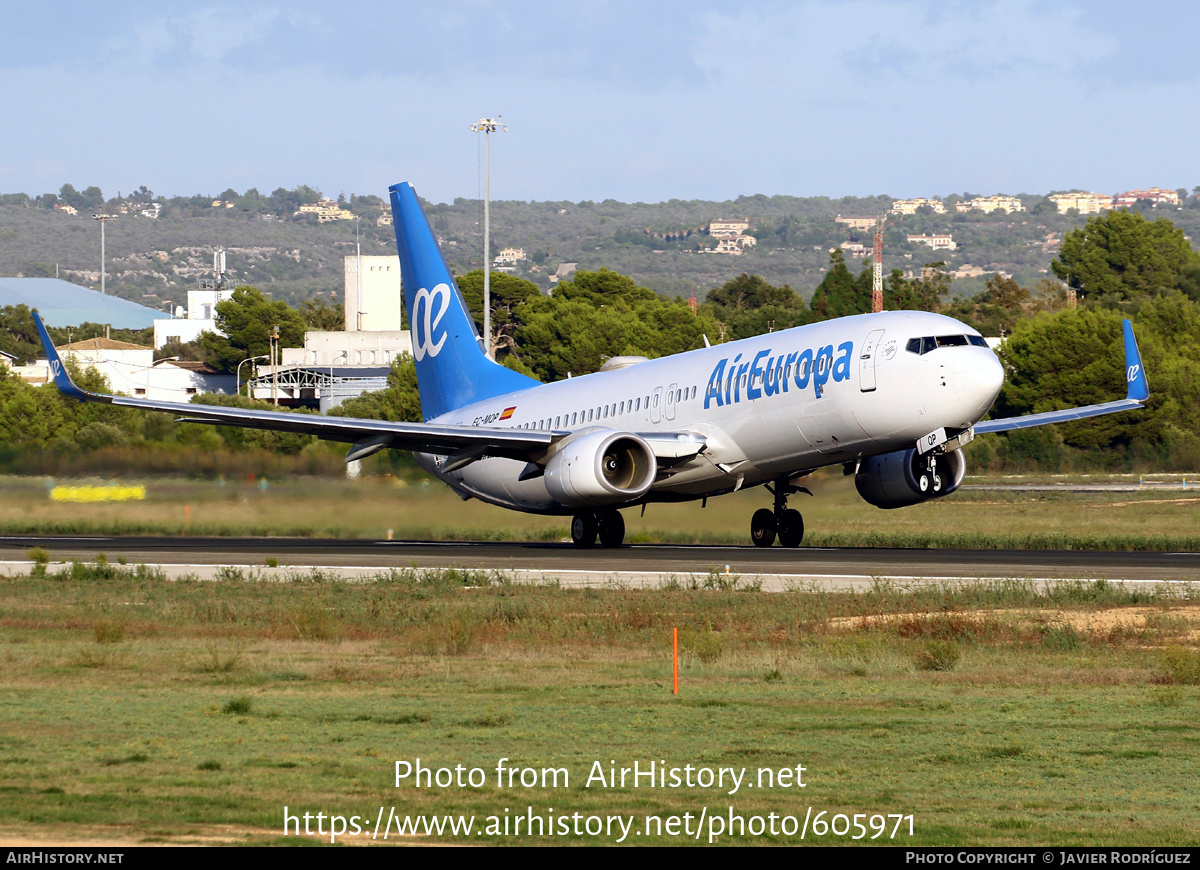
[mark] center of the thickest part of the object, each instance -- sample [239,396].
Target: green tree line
[1055,355]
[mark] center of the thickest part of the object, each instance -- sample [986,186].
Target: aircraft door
[866,361]
[656,405]
[669,402]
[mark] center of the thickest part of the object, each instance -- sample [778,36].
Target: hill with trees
[664,246]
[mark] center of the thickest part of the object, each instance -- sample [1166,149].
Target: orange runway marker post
[675,650]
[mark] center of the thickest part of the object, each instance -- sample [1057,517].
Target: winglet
[1135,372]
[62,379]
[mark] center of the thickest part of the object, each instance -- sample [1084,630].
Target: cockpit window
[927,343]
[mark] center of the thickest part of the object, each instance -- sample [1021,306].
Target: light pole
[238,389]
[103,218]
[487,126]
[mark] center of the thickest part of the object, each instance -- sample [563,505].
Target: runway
[631,565]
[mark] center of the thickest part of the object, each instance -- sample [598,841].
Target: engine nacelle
[900,479]
[601,468]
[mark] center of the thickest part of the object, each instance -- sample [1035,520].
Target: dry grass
[418,509]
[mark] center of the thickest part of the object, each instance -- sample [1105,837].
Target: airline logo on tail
[425,320]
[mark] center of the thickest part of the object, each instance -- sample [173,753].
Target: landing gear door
[866,361]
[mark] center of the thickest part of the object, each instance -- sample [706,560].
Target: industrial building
[335,366]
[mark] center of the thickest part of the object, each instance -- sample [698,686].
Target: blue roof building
[62,303]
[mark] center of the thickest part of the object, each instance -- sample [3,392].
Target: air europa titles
[767,375]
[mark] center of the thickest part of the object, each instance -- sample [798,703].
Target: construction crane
[877,275]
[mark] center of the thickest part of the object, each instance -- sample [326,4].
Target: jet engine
[600,468]
[906,477]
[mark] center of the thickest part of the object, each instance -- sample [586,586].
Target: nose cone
[978,381]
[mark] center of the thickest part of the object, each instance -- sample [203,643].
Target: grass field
[1151,519]
[138,710]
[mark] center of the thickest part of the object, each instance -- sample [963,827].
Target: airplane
[891,396]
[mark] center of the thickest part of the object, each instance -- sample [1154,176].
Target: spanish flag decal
[508,412]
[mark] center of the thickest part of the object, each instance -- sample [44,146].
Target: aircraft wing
[367,436]
[1138,392]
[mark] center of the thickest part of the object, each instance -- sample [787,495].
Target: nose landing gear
[925,470]
[782,522]
[607,524]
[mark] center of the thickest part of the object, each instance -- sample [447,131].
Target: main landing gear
[607,524]
[782,520]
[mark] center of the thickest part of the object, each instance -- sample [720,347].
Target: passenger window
[638,406]
[621,410]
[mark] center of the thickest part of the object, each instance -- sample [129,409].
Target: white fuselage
[768,407]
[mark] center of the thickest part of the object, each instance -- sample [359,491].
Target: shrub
[108,631]
[704,645]
[1182,665]
[239,706]
[1061,637]
[939,655]
[40,559]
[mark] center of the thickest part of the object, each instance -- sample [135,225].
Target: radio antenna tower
[877,274]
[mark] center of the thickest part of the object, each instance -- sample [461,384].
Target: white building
[857,223]
[728,227]
[1087,203]
[372,304]
[510,257]
[999,202]
[373,348]
[200,316]
[131,370]
[334,366]
[910,206]
[938,243]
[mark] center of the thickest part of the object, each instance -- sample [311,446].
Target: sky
[607,99]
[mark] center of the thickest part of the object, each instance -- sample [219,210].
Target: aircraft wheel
[583,531]
[611,527]
[791,528]
[923,483]
[762,528]
[937,483]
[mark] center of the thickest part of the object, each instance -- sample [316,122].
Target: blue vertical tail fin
[452,368]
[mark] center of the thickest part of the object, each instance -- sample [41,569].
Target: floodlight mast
[487,126]
[103,218]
